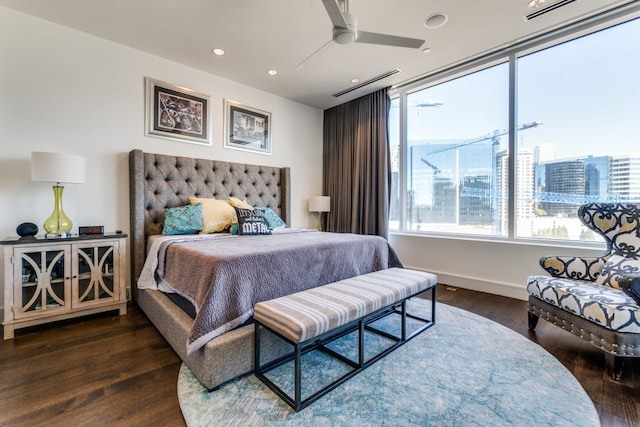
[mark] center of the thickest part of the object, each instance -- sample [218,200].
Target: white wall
[65,91]
[498,267]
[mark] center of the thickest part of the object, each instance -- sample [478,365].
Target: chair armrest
[630,285]
[578,268]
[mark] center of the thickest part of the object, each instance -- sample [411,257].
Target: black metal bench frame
[320,342]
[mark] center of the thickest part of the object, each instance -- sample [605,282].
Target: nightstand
[47,280]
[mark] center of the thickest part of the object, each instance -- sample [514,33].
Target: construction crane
[494,136]
[431,165]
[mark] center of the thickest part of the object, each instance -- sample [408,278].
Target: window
[585,93]
[574,141]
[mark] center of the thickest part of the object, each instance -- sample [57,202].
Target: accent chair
[596,298]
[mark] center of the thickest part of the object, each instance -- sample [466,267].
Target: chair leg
[614,366]
[533,321]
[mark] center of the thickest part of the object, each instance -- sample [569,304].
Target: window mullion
[513,129]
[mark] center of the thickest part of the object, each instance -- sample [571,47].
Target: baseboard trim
[476,284]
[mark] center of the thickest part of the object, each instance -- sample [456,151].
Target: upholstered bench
[311,319]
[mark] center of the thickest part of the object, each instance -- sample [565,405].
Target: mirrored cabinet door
[96,273]
[44,280]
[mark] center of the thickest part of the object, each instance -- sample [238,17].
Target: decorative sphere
[27,229]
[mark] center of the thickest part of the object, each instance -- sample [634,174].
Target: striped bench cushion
[307,314]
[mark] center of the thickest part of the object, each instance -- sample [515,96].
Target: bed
[158,182]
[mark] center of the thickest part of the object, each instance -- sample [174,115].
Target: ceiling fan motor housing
[346,35]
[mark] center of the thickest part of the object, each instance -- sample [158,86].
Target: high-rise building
[563,178]
[624,177]
[544,153]
[524,190]
[561,186]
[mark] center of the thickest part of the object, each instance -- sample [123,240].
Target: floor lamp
[58,168]
[320,204]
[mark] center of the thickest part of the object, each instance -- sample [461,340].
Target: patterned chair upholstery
[596,298]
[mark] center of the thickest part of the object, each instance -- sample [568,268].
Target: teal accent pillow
[251,221]
[185,219]
[234,228]
[272,219]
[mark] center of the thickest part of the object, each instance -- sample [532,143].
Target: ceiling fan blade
[335,14]
[388,40]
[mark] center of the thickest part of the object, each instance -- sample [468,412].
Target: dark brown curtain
[356,165]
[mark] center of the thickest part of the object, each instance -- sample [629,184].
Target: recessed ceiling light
[217,51]
[426,50]
[436,20]
[355,80]
[536,3]
[272,72]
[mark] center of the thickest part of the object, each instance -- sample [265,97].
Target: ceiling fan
[345,30]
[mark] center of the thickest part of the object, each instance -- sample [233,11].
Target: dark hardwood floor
[118,371]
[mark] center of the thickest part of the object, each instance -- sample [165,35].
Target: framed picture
[177,113]
[246,128]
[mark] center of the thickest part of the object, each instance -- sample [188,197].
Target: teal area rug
[464,371]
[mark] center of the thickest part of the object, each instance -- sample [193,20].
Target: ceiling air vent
[367,82]
[547,9]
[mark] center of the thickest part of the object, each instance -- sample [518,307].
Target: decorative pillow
[237,203]
[183,220]
[616,267]
[234,229]
[251,221]
[217,215]
[272,218]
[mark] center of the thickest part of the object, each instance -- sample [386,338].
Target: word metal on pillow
[251,221]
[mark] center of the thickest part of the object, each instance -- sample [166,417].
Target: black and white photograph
[246,128]
[177,113]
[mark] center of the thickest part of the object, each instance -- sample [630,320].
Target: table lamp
[320,204]
[58,168]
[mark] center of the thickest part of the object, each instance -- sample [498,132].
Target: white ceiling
[279,34]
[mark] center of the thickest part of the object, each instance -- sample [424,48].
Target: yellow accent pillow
[241,204]
[217,215]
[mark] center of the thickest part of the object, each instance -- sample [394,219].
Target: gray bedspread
[224,278]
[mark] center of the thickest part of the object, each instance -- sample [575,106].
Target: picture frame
[246,128]
[177,113]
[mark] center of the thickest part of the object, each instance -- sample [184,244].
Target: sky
[586,93]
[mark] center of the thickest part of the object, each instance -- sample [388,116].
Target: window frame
[583,27]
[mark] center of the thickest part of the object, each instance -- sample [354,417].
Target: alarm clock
[93,229]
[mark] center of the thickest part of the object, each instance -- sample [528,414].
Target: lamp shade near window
[58,168]
[320,204]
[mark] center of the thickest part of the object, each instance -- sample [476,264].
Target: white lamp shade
[54,167]
[320,204]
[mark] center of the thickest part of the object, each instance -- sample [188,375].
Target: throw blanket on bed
[224,278]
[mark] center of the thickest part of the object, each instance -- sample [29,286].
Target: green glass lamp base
[58,222]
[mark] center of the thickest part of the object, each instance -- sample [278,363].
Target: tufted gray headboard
[158,181]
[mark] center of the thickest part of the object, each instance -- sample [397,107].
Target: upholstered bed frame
[161,181]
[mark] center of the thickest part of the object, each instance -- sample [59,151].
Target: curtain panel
[356,165]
